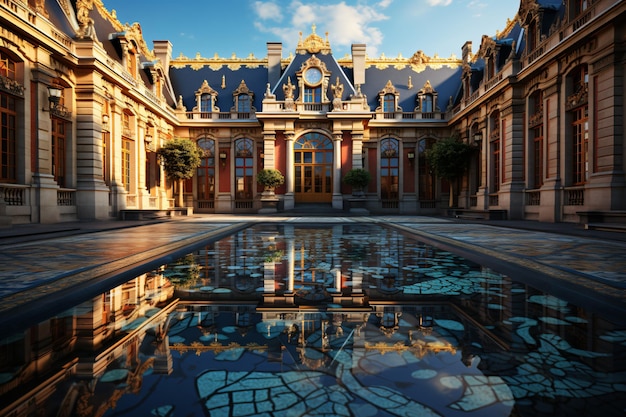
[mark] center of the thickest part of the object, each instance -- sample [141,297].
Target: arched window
[205,174]
[313,157]
[244,175]
[389,172]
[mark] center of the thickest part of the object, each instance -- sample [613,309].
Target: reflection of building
[86,105]
[96,338]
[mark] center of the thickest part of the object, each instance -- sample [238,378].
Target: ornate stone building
[86,103]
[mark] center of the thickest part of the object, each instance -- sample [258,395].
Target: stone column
[269,145]
[289,201]
[357,150]
[337,196]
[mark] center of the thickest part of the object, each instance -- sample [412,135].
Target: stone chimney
[163,51]
[274,56]
[467,52]
[358,63]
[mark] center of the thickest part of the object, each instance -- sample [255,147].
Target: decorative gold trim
[313,44]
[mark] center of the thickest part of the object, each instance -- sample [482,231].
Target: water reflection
[345,320]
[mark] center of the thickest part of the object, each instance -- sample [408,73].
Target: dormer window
[243,98]
[388,98]
[131,59]
[577,8]
[427,99]
[389,103]
[206,98]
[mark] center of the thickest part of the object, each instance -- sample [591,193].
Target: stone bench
[138,214]
[607,220]
[473,214]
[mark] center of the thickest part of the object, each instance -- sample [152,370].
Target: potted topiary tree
[269,178]
[358,179]
[180,158]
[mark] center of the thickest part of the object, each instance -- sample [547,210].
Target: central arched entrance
[313,156]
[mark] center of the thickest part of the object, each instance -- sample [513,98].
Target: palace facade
[85,105]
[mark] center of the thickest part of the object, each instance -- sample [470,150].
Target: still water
[344,320]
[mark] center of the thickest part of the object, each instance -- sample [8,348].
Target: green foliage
[449,158]
[357,178]
[180,158]
[270,177]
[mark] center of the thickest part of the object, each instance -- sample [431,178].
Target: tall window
[426,183]
[244,169]
[205,103]
[106,138]
[495,152]
[243,103]
[8,141]
[536,133]
[537,156]
[389,169]
[531,36]
[205,174]
[389,103]
[131,60]
[580,126]
[313,158]
[58,151]
[127,146]
[427,103]
[577,103]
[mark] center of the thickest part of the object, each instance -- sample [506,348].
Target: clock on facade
[313,76]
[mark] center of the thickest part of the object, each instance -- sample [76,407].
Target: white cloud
[439,2]
[476,7]
[268,11]
[345,24]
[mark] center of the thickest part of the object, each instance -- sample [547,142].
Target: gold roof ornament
[313,44]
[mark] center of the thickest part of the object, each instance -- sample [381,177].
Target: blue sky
[389,27]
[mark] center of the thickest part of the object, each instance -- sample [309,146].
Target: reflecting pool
[337,320]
